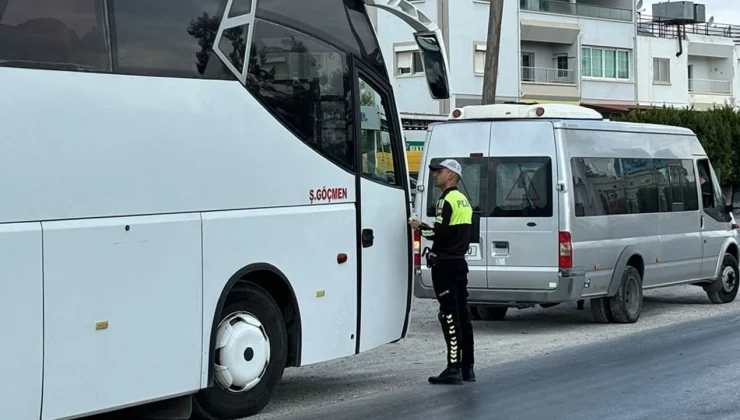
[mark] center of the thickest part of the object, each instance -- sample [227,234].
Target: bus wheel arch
[257,315]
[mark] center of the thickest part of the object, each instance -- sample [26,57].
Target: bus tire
[250,330]
[728,282]
[626,305]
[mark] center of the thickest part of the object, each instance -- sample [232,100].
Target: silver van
[573,207]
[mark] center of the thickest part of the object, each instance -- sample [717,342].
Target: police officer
[451,236]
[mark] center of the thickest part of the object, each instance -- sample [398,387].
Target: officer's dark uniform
[451,235]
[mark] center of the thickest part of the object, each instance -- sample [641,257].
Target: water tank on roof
[679,12]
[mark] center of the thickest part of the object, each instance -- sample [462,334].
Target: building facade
[599,53]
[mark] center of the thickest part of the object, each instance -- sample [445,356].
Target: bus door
[21,321]
[384,210]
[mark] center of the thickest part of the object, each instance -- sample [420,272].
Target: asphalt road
[688,371]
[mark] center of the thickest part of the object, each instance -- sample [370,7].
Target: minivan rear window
[474,179]
[520,187]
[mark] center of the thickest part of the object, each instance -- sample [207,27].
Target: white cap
[450,164]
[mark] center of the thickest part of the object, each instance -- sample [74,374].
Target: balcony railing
[548,76]
[655,26]
[710,87]
[576,9]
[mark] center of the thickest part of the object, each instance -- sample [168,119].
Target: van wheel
[626,305]
[492,313]
[601,311]
[474,313]
[728,279]
[249,358]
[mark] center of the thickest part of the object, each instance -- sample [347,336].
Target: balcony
[710,87]
[545,83]
[576,9]
[542,75]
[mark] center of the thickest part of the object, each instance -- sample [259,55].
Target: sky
[724,11]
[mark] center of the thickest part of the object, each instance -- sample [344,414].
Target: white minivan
[573,207]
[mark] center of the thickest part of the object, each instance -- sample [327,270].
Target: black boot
[449,376]
[451,331]
[468,373]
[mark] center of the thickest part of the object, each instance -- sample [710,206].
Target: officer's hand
[415,224]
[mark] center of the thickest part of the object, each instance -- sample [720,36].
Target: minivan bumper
[569,289]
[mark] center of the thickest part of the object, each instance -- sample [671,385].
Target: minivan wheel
[249,357]
[626,305]
[728,280]
[492,313]
[601,311]
[474,313]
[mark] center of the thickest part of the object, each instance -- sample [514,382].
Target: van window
[520,187]
[614,186]
[713,200]
[676,185]
[473,179]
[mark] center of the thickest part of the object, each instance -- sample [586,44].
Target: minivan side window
[474,180]
[614,186]
[711,196]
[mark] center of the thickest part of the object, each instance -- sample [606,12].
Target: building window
[605,63]
[528,67]
[479,59]
[661,70]
[408,61]
[562,65]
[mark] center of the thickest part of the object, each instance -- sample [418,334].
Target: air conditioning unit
[679,12]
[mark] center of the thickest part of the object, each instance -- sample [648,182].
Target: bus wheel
[249,358]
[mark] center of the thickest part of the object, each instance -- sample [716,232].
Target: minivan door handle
[500,248]
[367,238]
[701,222]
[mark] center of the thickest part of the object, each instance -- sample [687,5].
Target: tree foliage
[718,130]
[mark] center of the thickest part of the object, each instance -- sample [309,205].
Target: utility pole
[490,75]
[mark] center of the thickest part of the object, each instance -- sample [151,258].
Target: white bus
[155,243]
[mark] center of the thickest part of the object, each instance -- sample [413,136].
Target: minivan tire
[728,281]
[491,313]
[601,311]
[626,305]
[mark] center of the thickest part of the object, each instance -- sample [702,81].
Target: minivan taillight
[417,248]
[565,250]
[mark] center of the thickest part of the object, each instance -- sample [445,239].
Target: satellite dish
[639,5]
[711,20]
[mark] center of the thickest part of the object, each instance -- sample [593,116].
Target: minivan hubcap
[728,279]
[242,352]
[631,296]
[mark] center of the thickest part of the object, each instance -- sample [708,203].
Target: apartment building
[573,51]
[701,70]
[599,53]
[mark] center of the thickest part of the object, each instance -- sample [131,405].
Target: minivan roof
[523,111]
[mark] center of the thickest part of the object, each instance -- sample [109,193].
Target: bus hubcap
[242,352]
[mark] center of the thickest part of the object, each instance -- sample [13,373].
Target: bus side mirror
[435,68]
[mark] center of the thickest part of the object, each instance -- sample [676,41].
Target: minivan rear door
[466,142]
[522,247]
